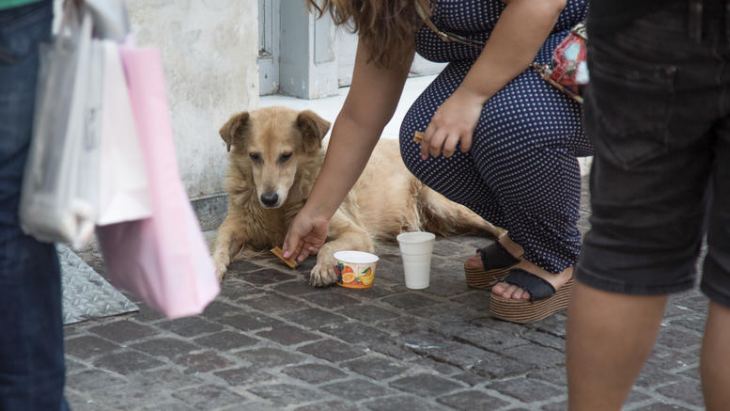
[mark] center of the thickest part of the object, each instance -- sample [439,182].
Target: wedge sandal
[496,263]
[544,299]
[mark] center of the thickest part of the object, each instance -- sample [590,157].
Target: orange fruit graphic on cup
[348,275]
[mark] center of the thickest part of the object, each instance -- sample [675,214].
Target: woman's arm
[370,104]
[521,30]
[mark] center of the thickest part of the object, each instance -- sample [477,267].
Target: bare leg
[715,355]
[609,338]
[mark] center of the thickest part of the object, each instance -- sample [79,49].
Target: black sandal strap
[494,256]
[538,288]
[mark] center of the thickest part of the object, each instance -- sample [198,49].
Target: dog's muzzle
[270,199]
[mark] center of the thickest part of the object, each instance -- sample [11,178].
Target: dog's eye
[254,157]
[284,157]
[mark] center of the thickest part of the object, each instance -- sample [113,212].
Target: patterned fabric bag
[569,70]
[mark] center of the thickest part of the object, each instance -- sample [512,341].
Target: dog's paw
[221,266]
[220,272]
[323,273]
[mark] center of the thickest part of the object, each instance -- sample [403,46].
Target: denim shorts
[658,113]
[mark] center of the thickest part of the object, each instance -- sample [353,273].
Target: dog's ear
[233,132]
[313,129]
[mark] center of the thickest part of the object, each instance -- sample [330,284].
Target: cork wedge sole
[523,312]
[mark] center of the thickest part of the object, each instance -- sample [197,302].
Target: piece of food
[277,251]
[348,277]
[418,137]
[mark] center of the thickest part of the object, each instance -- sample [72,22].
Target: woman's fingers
[291,244]
[441,141]
[437,142]
[303,254]
[294,245]
[450,144]
[466,141]
[427,135]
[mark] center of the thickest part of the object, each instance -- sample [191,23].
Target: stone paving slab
[271,342]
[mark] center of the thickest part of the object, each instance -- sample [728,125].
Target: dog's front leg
[346,235]
[228,244]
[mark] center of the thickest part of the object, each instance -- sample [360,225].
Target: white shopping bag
[111,19]
[123,187]
[60,184]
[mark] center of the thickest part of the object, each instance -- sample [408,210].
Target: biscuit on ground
[277,251]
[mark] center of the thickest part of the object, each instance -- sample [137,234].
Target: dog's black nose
[269,199]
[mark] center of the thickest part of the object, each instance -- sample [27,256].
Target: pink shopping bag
[164,259]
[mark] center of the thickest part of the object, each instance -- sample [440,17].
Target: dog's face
[269,144]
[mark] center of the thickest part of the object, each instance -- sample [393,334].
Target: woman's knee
[410,150]
[410,154]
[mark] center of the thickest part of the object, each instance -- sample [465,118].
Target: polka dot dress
[521,172]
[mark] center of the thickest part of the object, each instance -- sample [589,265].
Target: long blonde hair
[386,27]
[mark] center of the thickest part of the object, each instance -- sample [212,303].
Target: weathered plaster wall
[209,50]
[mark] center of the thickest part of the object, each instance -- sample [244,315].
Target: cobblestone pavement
[271,342]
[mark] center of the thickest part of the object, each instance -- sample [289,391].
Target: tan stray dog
[275,156]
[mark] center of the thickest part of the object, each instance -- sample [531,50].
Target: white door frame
[306,57]
[268,60]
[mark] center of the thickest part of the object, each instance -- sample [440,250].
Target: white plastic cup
[416,248]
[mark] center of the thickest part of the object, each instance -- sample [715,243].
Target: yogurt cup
[355,269]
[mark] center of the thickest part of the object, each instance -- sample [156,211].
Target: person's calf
[715,357]
[609,337]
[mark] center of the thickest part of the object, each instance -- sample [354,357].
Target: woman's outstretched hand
[307,233]
[453,124]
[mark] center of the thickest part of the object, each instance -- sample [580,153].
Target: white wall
[209,49]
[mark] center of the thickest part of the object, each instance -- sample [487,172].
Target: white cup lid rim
[415,237]
[356,257]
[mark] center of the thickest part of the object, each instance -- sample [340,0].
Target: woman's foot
[510,291]
[475,261]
